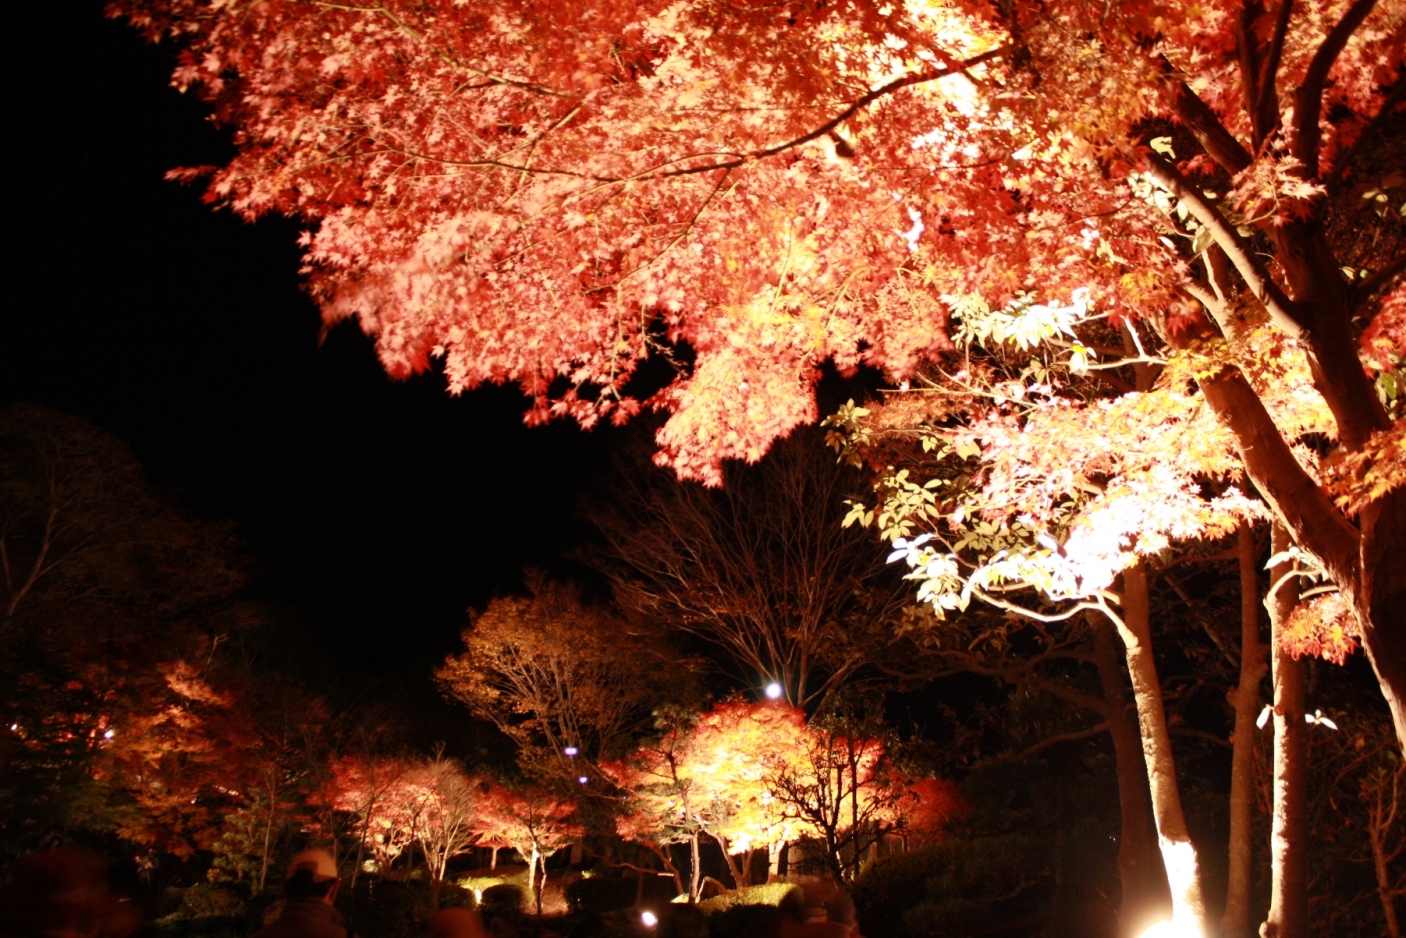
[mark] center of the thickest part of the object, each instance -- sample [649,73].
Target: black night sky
[375,512]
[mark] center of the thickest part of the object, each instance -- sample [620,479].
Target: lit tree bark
[1238,919]
[1288,838]
[1178,853]
[1146,898]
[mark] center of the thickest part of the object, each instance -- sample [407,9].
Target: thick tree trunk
[1178,853]
[1382,597]
[1368,567]
[1238,921]
[1146,896]
[1288,837]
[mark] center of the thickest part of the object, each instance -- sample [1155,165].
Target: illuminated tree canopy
[546,194]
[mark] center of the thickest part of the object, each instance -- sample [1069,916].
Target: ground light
[773,691]
[649,919]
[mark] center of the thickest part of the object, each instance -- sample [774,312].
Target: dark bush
[956,887]
[746,921]
[501,900]
[601,894]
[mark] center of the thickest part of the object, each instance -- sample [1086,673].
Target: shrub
[745,921]
[954,887]
[503,899]
[769,894]
[205,900]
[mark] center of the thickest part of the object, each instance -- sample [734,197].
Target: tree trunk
[1146,896]
[1178,853]
[668,862]
[1288,837]
[773,862]
[1238,921]
[695,881]
[739,876]
[1369,566]
[532,878]
[1381,598]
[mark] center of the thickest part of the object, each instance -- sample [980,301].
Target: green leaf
[1203,240]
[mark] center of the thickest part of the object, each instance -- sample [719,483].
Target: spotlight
[773,691]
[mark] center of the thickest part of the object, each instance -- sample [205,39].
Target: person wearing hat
[308,892]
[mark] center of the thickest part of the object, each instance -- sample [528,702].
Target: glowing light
[571,750]
[1179,858]
[109,734]
[1173,929]
[582,779]
[649,919]
[773,691]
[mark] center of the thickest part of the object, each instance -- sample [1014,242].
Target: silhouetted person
[308,892]
[457,922]
[66,893]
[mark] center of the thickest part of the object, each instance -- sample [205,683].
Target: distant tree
[701,776]
[755,776]
[121,712]
[843,786]
[760,568]
[554,673]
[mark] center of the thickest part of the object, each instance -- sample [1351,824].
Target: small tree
[533,821]
[443,804]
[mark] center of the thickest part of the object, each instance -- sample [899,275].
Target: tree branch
[1342,161]
[1263,287]
[1299,503]
[1219,143]
[1249,64]
[1378,281]
[1267,103]
[1308,99]
[1095,730]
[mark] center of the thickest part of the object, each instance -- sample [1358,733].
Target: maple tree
[532,821]
[756,776]
[701,776]
[549,194]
